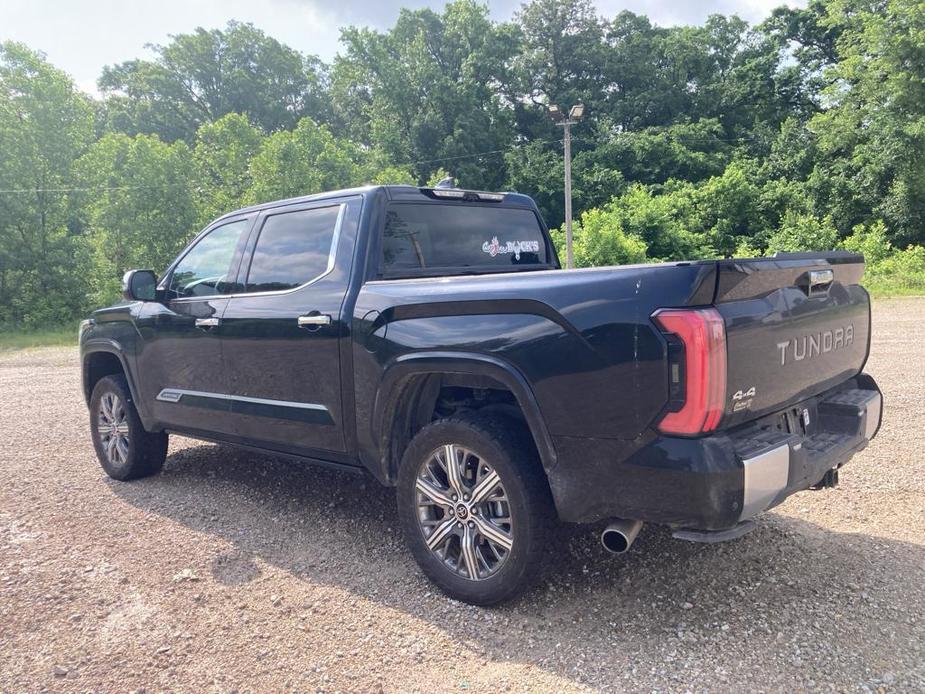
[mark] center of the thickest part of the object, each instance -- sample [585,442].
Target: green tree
[665,220]
[45,124]
[598,239]
[804,233]
[536,169]
[649,72]
[223,153]
[563,51]
[139,207]
[306,160]
[200,77]
[872,135]
[431,91]
[870,241]
[309,159]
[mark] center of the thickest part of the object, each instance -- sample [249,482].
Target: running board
[713,536]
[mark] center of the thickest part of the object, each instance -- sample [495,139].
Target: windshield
[419,237]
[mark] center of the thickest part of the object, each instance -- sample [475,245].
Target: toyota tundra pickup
[429,338]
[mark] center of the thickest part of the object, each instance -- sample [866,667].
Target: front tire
[475,507]
[125,450]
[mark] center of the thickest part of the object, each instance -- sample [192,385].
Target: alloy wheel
[112,426]
[464,512]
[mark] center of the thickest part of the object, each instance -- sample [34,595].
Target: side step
[714,536]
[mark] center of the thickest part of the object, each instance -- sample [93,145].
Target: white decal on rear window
[495,247]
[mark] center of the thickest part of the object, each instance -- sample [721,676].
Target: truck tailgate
[796,326]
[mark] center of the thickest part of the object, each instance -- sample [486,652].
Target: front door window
[206,267]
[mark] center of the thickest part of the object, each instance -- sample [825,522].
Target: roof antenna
[448,182]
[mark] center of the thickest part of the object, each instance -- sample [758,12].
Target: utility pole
[574,115]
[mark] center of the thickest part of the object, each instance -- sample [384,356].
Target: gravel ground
[236,572]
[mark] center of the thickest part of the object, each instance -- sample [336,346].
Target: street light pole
[574,115]
[567,141]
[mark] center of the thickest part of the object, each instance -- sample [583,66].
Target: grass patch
[883,286]
[56,337]
[887,292]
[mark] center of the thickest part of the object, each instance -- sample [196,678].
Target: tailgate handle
[819,281]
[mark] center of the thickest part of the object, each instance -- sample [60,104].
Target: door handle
[314,321]
[206,323]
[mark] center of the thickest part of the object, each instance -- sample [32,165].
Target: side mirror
[139,285]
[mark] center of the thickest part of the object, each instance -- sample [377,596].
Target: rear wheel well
[428,397]
[97,365]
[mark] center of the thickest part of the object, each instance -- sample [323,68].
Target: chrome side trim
[176,394]
[766,476]
[874,405]
[167,395]
[332,255]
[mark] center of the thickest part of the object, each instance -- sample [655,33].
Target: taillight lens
[703,334]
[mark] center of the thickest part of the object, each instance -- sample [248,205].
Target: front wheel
[125,450]
[475,507]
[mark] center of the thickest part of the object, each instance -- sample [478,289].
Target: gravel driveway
[236,572]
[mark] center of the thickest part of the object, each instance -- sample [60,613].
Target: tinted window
[204,270]
[452,236]
[292,249]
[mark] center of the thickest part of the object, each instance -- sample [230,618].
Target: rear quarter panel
[582,339]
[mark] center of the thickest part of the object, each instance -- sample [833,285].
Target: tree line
[805,131]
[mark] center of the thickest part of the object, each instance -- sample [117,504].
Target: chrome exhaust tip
[619,535]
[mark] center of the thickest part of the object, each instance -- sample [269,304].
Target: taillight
[700,367]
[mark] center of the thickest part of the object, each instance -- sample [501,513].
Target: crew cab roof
[405,193]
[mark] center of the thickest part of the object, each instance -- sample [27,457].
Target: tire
[506,564]
[125,450]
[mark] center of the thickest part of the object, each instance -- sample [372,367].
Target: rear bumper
[716,482]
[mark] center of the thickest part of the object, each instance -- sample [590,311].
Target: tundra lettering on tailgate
[809,346]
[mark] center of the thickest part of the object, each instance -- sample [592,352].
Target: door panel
[180,365]
[179,357]
[284,377]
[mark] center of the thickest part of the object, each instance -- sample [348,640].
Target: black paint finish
[578,351]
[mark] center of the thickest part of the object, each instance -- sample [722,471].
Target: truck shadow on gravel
[791,594]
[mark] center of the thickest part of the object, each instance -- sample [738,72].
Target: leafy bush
[598,239]
[803,232]
[869,241]
[903,272]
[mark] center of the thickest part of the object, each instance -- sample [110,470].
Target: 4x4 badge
[741,395]
[742,399]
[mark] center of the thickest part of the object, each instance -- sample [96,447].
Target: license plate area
[801,420]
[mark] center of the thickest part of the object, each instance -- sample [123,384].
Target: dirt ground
[236,572]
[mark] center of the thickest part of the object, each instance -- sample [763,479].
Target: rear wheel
[475,507]
[125,450]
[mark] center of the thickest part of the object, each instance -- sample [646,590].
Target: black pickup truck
[428,337]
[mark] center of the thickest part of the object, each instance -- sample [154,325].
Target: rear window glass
[418,237]
[292,249]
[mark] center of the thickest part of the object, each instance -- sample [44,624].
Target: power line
[480,154]
[92,189]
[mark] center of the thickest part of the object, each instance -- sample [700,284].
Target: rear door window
[293,248]
[420,237]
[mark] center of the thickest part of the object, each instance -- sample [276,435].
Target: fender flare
[97,345]
[440,362]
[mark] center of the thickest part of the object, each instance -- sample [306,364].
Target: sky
[82,36]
